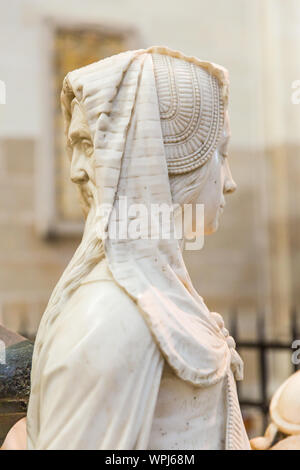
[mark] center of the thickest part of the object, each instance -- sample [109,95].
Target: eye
[87,147]
[70,143]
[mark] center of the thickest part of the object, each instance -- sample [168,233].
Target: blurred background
[249,271]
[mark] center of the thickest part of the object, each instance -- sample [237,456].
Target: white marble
[128,356]
[284,416]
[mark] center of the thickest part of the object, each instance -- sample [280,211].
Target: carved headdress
[152,113]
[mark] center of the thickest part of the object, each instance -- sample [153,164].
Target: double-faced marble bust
[127,355]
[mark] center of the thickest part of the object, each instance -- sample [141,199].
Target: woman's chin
[212,227]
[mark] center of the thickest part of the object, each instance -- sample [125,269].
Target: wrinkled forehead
[78,120]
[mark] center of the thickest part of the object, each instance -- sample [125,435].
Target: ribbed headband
[191,111]
[192,96]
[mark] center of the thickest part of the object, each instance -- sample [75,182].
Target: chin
[211,227]
[86,200]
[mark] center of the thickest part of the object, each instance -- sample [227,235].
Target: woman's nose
[229,183]
[229,186]
[78,174]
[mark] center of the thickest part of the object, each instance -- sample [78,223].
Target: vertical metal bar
[262,347]
[233,326]
[294,331]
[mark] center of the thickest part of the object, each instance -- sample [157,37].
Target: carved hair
[185,188]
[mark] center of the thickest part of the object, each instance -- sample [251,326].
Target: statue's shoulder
[105,294]
[100,288]
[106,309]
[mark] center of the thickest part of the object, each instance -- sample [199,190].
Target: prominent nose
[229,183]
[79,172]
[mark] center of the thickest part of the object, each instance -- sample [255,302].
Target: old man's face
[82,160]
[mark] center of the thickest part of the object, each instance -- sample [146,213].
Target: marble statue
[283,432]
[127,355]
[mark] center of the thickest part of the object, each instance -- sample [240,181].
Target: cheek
[217,187]
[212,203]
[214,194]
[211,194]
[91,169]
